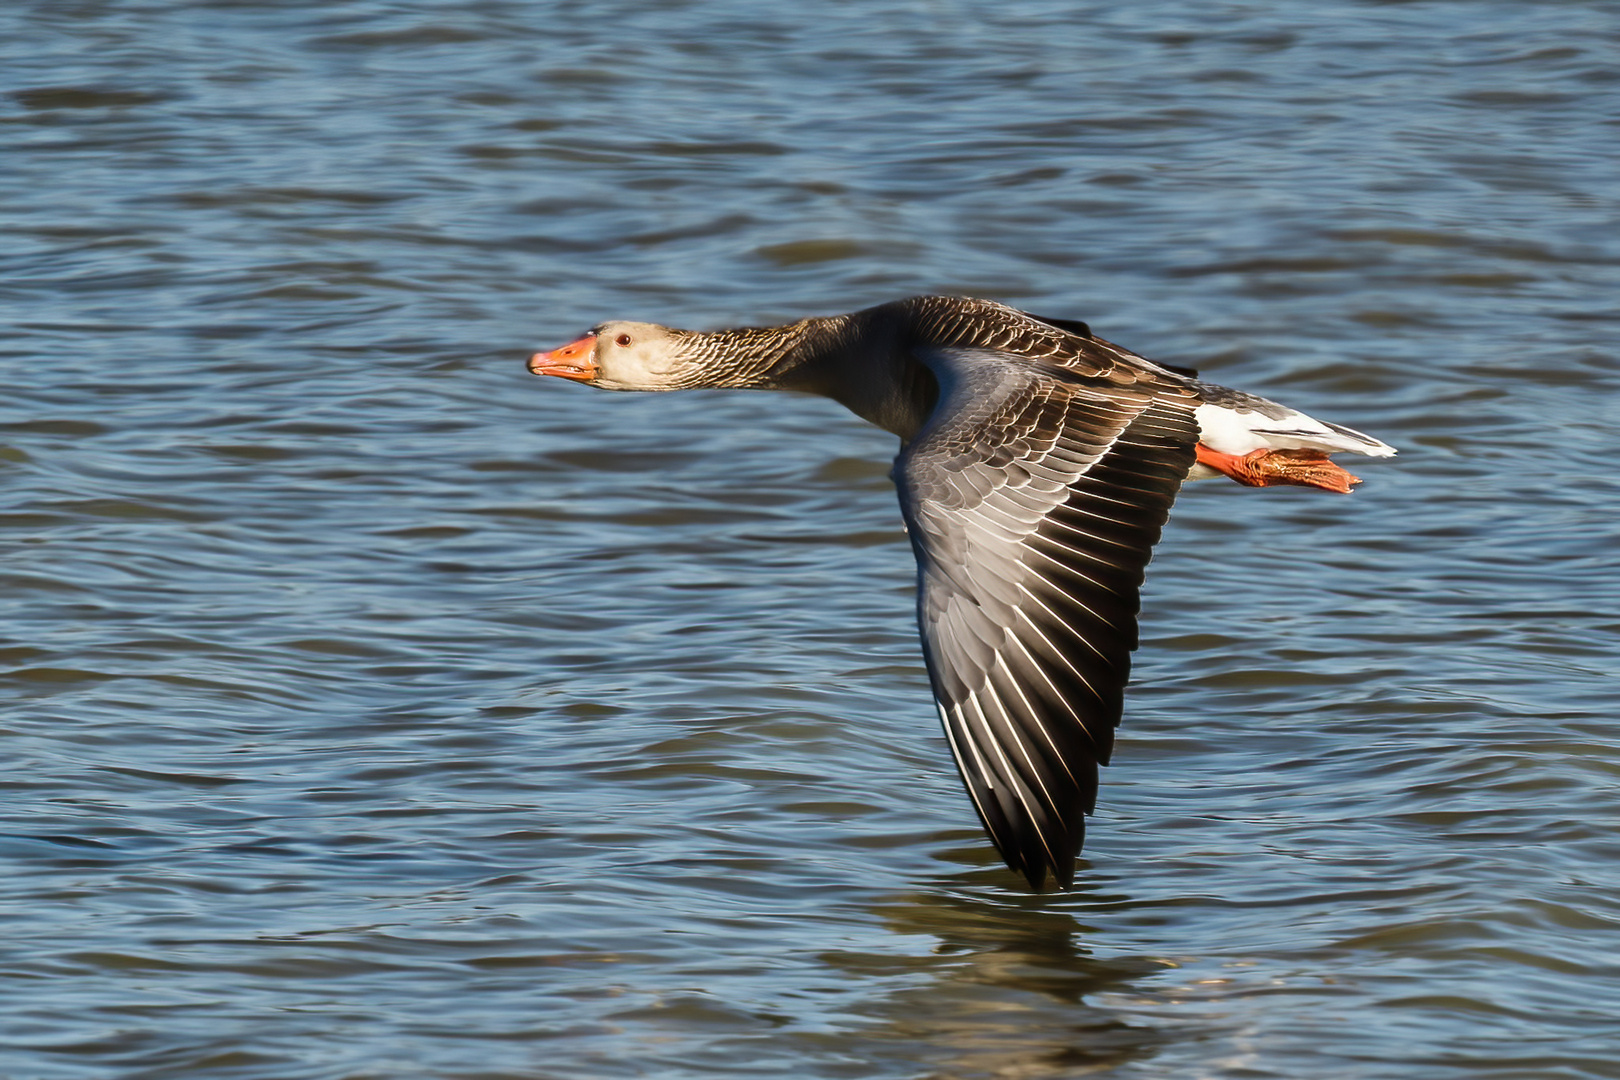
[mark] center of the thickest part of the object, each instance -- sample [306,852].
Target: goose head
[623,356]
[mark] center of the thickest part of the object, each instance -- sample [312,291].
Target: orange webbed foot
[1263,468]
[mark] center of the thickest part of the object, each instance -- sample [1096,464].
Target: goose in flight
[1037,467]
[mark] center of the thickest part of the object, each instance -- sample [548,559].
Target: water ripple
[360,684]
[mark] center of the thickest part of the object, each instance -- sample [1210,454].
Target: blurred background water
[374,710]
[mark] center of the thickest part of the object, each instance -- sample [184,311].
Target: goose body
[1037,467]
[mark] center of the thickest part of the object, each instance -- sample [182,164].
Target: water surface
[375,710]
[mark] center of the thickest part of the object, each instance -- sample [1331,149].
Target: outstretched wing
[1034,497]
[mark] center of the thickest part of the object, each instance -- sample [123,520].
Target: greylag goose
[1037,467]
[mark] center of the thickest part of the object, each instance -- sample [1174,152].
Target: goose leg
[1263,468]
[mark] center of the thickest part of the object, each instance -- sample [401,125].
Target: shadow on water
[1008,983]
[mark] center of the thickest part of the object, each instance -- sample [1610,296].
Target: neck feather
[864,360]
[791,357]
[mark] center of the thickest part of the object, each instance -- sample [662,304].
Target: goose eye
[622,341]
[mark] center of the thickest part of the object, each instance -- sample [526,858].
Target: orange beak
[575,360]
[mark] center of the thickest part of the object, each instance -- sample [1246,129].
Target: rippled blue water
[376,711]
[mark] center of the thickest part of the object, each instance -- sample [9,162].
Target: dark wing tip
[1073,326]
[1191,373]
[1034,865]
